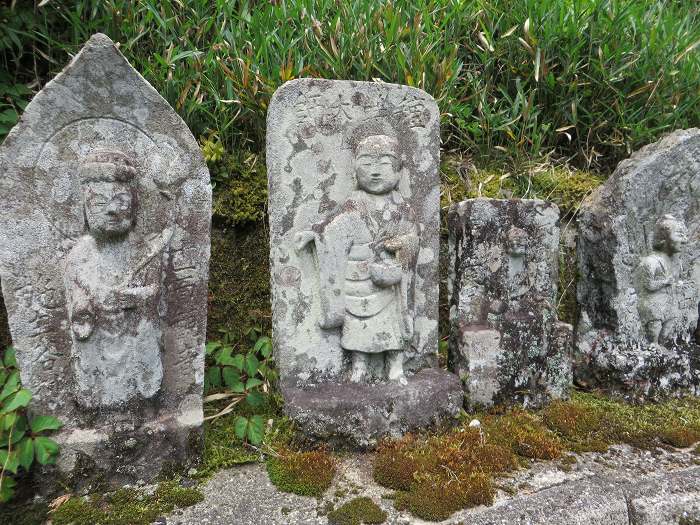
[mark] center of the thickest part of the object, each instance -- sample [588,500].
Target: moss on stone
[563,186]
[240,188]
[239,281]
[357,511]
[302,473]
[125,506]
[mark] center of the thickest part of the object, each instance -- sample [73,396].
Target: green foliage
[356,512]
[240,376]
[126,506]
[240,182]
[239,282]
[22,439]
[304,473]
[586,81]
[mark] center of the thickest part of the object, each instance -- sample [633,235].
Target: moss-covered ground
[357,511]
[306,473]
[436,475]
[122,507]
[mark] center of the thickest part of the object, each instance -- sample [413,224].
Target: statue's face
[108,208]
[377,174]
[677,237]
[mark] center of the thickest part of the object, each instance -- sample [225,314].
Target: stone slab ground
[623,486]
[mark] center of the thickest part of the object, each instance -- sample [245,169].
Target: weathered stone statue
[658,276]
[638,251]
[354,229]
[113,290]
[104,251]
[506,342]
[366,254]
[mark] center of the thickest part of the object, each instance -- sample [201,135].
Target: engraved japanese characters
[506,343]
[354,219]
[104,264]
[638,254]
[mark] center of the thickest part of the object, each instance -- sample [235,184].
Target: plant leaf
[26,453]
[9,359]
[7,489]
[251,364]
[11,386]
[256,430]
[252,383]
[255,398]
[240,427]
[42,423]
[20,400]
[46,450]
[232,378]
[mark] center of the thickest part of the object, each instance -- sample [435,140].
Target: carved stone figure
[104,251]
[354,232]
[638,249]
[506,343]
[366,253]
[658,274]
[113,290]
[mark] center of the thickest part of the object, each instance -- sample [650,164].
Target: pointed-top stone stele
[104,253]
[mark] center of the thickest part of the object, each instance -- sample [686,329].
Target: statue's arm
[649,275]
[81,311]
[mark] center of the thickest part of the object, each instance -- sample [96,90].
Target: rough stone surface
[506,343]
[104,252]
[620,487]
[354,245]
[359,415]
[639,270]
[354,218]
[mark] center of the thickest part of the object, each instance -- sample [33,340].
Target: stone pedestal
[506,343]
[104,253]
[358,416]
[639,270]
[354,233]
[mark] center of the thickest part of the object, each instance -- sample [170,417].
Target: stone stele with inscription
[354,227]
[639,271]
[506,342]
[104,253]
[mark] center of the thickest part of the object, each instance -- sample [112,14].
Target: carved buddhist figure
[657,276]
[366,254]
[112,283]
[518,278]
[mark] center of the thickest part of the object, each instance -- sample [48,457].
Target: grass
[435,476]
[586,81]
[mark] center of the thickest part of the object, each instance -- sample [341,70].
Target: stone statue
[366,254]
[112,290]
[104,261]
[658,274]
[518,278]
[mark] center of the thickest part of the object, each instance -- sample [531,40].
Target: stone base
[638,372]
[349,415]
[99,459]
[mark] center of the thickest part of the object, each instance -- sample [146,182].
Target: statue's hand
[302,238]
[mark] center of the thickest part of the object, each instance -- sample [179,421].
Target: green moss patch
[240,188]
[239,282]
[125,506]
[436,476]
[357,511]
[303,473]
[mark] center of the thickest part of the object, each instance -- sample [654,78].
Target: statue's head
[378,164]
[109,200]
[516,240]
[670,235]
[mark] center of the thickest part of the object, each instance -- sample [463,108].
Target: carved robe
[657,298]
[113,294]
[365,288]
